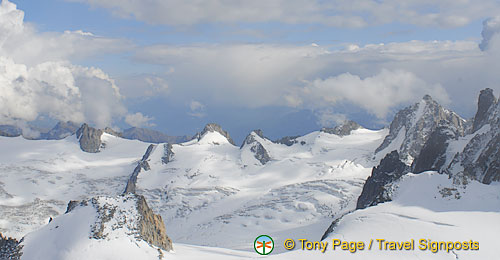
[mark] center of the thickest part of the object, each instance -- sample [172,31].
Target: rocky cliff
[412,126]
[254,143]
[89,138]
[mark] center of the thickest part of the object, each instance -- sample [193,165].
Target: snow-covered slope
[39,177]
[425,206]
[100,228]
[214,193]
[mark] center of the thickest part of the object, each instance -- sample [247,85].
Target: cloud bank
[338,13]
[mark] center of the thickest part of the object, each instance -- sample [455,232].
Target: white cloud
[139,120]
[328,117]
[197,109]
[37,79]
[339,13]
[376,94]
[491,29]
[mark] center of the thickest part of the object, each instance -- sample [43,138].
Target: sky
[287,67]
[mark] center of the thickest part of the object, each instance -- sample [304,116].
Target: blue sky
[286,67]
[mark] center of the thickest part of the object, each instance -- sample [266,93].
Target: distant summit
[343,129]
[152,136]
[215,128]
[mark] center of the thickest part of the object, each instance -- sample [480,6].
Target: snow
[419,210]
[216,198]
[39,177]
[68,236]
[212,193]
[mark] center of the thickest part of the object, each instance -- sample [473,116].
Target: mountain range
[431,175]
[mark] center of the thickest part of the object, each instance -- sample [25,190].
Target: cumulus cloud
[339,13]
[491,28]
[37,79]
[139,120]
[376,94]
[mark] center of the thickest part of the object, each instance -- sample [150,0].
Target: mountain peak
[89,138]
[412,126]
[97,223]
[427,97]
[485,101]
[215,128]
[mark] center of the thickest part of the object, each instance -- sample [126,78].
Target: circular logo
[263,245]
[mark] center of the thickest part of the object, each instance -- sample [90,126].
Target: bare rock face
[90,138]
[168,153]
[433,154]
[375,191]
[127,215]
[212,127]
[259,151]
[485,102]
[479,160]
[110,131]
[416,123]
[10,248]
[342,130]
[141,165]
[287,140]
[151,226]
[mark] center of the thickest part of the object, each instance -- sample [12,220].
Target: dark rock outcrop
[259,151]
[485,102]
[287,140]
[138,220]
[168,153]
[110,131]
[342,130]
[151,226]
[433,154]
[141,165]
[90,138]
[212,127]
[10,248]
[416,123]
[479,160]
[375,191]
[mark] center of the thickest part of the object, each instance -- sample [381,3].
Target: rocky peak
[479,158]
[343,129]
[256,148]
[110,131]
[377,186]
[212,127]
[412,126]
[485,102]
[251,137]
[89,138]
[433,153]
[124,215]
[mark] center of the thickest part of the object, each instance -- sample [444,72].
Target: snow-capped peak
[214,134]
